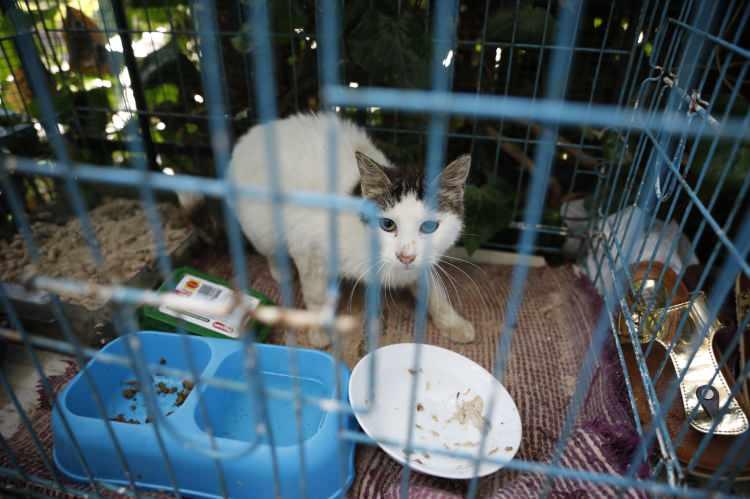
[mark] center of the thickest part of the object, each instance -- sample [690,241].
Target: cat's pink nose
[405,258]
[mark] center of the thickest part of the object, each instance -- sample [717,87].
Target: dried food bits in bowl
[171,393]
[451,406]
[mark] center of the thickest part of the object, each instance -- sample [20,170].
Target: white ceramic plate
[447,383]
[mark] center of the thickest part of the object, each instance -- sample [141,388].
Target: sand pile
[124,235]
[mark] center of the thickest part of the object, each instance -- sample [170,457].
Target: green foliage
[10,61]
[487,212]
[382,43]
[285,19]
[160,94]
[392,50]
[529,24]
[170,65]
[29,16]
[408,149]
[151,14]
[90,120]
[61,101]
[729,161]
[20,138]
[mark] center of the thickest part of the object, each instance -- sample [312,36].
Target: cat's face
[409,233]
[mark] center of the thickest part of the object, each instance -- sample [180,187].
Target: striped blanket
[554,329]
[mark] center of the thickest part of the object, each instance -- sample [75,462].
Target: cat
[404,223]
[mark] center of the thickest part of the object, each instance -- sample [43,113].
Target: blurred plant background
[503,47]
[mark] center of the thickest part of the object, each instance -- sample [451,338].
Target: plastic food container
[246,454]
[194,283]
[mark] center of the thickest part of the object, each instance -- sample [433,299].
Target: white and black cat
[405,224]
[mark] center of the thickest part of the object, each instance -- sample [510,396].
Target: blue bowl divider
[232,416]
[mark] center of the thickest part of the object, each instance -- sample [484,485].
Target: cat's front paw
[458,329]
[318,338]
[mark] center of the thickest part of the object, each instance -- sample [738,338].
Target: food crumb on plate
[414,371]
[419,427]
[471,412]
[420,407]
[509,448]
[435,418]
[418,461]
[493,451]
[434,433]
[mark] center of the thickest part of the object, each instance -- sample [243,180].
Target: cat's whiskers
[439,286]
[452,279]
[389,287]
[462,260]
[447,277]
[471,280]
[380,265]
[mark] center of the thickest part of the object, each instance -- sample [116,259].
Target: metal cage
[663,94]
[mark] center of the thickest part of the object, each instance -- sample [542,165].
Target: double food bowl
[241,444]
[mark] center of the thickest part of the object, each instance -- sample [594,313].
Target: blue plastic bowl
[245,452]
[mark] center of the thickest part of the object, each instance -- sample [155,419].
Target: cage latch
[708,396]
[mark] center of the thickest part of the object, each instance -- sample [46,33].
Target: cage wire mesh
[590,125]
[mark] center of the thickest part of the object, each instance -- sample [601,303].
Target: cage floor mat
[552,336]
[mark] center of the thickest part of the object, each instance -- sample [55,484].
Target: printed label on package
[195,287]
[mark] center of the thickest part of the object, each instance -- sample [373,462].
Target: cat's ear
[452,180]
[373,178]
[453,176]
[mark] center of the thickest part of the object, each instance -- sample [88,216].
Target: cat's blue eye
[387,224]
[429,226]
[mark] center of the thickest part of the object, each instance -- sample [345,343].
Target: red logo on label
[222,327]
[192,284]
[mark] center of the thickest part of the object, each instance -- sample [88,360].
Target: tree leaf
[392,50]
[19,139]
[91,116]
[735,167]
[529,24]
[285,18]
[487,211]
[170,65]
[166,92]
